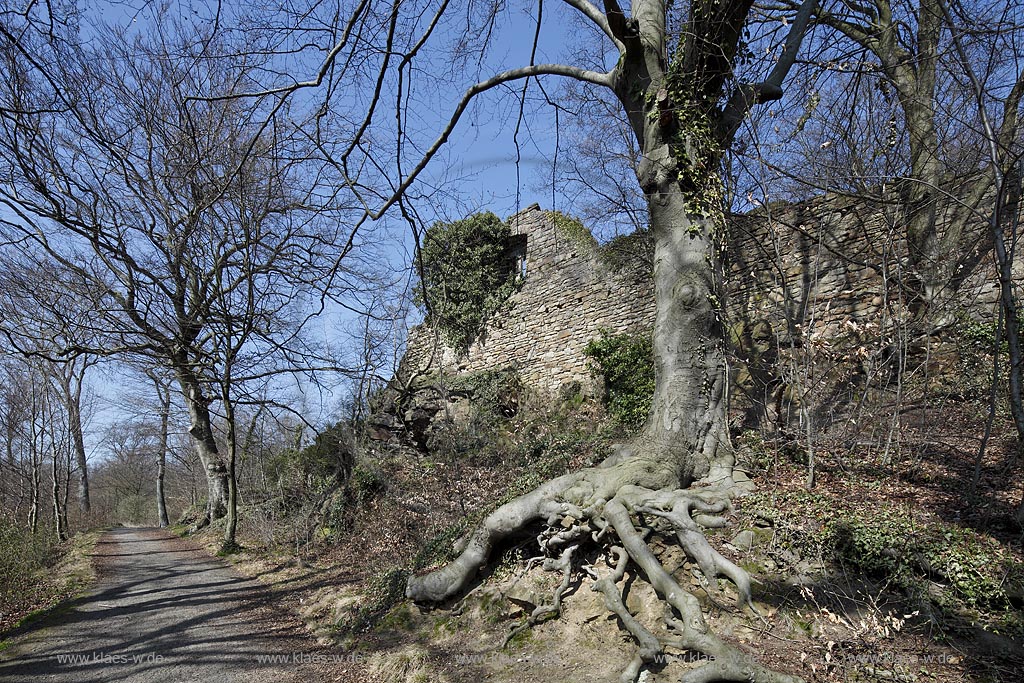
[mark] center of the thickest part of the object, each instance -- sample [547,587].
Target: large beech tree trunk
[674,119]
[688,422]
[59,516]
[201,431]
[675,107]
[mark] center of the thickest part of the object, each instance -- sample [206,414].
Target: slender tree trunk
[165,409]
[78,441]
[1007,199]
[64,497]
[22,480]
[58,516]
[9,450]
[928,251]
[71,380]
[161,505]
[912,73]
[231,524]
[33,510]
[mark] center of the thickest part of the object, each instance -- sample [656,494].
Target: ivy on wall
[634,250]
[572,229]
[467,275]
[626,363]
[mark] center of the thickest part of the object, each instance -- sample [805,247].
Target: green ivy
[467,275]
[572,229]
[968,570]
[626,363]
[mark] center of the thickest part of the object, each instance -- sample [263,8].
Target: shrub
[331,455]
[324,464]
[626,363]
[22,555]
[493,392]
[467,275]
[634,250]
[135,509]
[572,229]
[367,481]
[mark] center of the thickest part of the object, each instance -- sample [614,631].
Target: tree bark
[36,482]
[164,395]
[928,252]
[231,524]
[71,379]
[58,515]
[78,441]
[201,431]
[672,115]
[688,412]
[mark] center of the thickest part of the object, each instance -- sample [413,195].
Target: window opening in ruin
[517,255]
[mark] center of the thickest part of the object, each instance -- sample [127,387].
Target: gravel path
[164,610]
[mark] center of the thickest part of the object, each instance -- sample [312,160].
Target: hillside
[888,570]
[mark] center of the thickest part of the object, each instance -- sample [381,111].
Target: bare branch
[602,22]
[511,75]
[749,94]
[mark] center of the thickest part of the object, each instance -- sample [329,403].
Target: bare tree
[70,380]
[42,341]
[162,389]
[15,404]
[676,75]
[906,47]
[1005,152]
[157,209]
[38,446]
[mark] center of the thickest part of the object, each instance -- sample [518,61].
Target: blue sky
[477,167]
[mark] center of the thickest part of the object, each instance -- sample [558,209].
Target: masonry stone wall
[836,264]
[568,296]
[827,266]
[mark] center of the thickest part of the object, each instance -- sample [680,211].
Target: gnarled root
[598,505]
[726,662]
[649,646]
[510,518]
[678,509]
[544,612]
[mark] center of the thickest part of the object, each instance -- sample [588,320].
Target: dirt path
[163,610]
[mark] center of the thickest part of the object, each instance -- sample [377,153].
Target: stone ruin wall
[830,265]
[833,264]
[567,297]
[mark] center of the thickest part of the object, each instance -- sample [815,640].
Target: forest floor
[33,594]
[161,610]
[891,569]
[843,582]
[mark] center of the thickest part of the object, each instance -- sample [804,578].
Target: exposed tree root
[648,645]
[545,612]
[599,505]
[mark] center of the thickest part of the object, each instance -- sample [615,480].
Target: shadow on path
[162,610]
